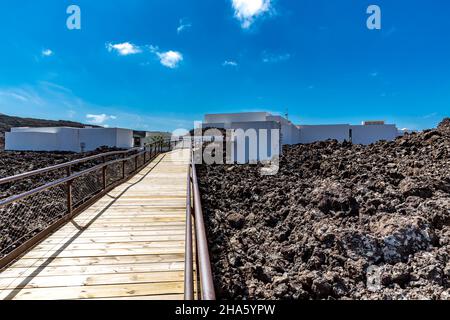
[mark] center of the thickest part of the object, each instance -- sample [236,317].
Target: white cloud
[246,11]
[47,53]
[271,58]
[170,59]
[229,63]
[123,49]
[99,119]
[183,25]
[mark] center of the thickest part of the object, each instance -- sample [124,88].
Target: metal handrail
[156,149]
[189,258]
[202,260]
[78,161]
[58,182]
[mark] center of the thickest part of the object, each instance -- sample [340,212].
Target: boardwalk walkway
[128,245]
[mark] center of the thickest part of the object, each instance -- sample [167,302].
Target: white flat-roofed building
[366,133]
[67,139]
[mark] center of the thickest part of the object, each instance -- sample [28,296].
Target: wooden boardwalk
[128,245]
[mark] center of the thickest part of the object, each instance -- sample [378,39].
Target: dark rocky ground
[13,163]
[23,219]
[339,221]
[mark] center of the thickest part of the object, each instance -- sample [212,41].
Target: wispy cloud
[47,53]
[229,63]
[374,74]
[99,119]
[53,101]
[25,95]
[183,25]
[275,58]
[44,99]
[123,49]
[247,11]
[12,94]
[431,115]
[390,32]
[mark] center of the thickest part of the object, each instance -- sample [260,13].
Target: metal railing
[29,217]
[204,283]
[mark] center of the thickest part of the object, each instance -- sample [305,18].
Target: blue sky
[161,64]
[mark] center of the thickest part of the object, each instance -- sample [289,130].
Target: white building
[358,134]
[67,139]
[254,120]
[366,133]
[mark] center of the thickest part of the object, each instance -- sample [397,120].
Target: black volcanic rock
[339,221]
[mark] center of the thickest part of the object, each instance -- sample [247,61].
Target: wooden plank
[109,245]
[93,261]
[86,292]
[100,252]
[90,280]
[93,240]
[94,269]
[124,232]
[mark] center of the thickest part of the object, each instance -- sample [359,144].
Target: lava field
[339,221]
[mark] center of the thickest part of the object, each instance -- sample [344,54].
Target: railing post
[123,166]
[104,174]
[136,163]
[69,192]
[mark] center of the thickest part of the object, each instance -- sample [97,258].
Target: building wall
[235,117]
[124,138]
[361,134]
[67,139]
[314,133]
[242,150]
[289,132]
[373,133]
[26,141]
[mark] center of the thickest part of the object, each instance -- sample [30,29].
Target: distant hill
[8,122]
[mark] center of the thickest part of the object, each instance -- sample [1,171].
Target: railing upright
[123,166]
[69,192]
[104,173]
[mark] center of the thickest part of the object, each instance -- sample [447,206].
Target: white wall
[125,139]
[26,141]
[67,139]
[361,134]
[313,133]
[235,117]
[43,129]
[373,133]
[289,132]
[94,138]
[246,151]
